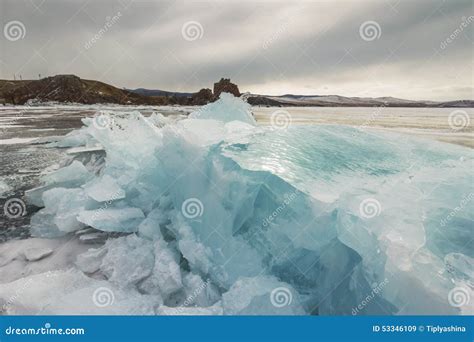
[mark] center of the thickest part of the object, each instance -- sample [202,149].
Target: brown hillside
[70,88]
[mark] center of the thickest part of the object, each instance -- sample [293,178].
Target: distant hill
[343,101]
[72,89]
[69,88]
[157,92]
[459,103]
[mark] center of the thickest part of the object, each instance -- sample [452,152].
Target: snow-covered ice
[34,254]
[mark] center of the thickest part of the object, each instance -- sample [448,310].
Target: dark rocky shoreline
[72,89]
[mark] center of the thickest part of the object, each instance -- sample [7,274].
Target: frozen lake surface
[24,130]
[304,211]
[443,124]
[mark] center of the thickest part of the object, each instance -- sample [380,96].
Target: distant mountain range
[343,101]
[72,89]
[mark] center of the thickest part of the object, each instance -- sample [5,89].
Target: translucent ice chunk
[35,196]
[42,225]
[460,265]
[261,295]
[112,219]
[199,292]
[166,273]
[104,189]
[72,175]
[228,108]
[159,120]
[90,261]
[129,259]
[215,310]
[73,139]
[66,204]
[62,207]
[150,227]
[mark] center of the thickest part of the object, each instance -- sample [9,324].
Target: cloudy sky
[411,49]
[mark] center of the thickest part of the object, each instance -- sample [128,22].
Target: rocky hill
[72,89]
[67,89]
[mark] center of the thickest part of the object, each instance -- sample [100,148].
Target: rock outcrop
[202,97]
[225,86]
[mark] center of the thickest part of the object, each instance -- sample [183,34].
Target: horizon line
[252,93]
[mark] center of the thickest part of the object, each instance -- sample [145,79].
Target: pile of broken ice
[220,216]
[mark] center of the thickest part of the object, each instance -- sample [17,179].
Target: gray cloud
[273,47]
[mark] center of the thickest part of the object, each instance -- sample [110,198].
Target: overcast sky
[354,48]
